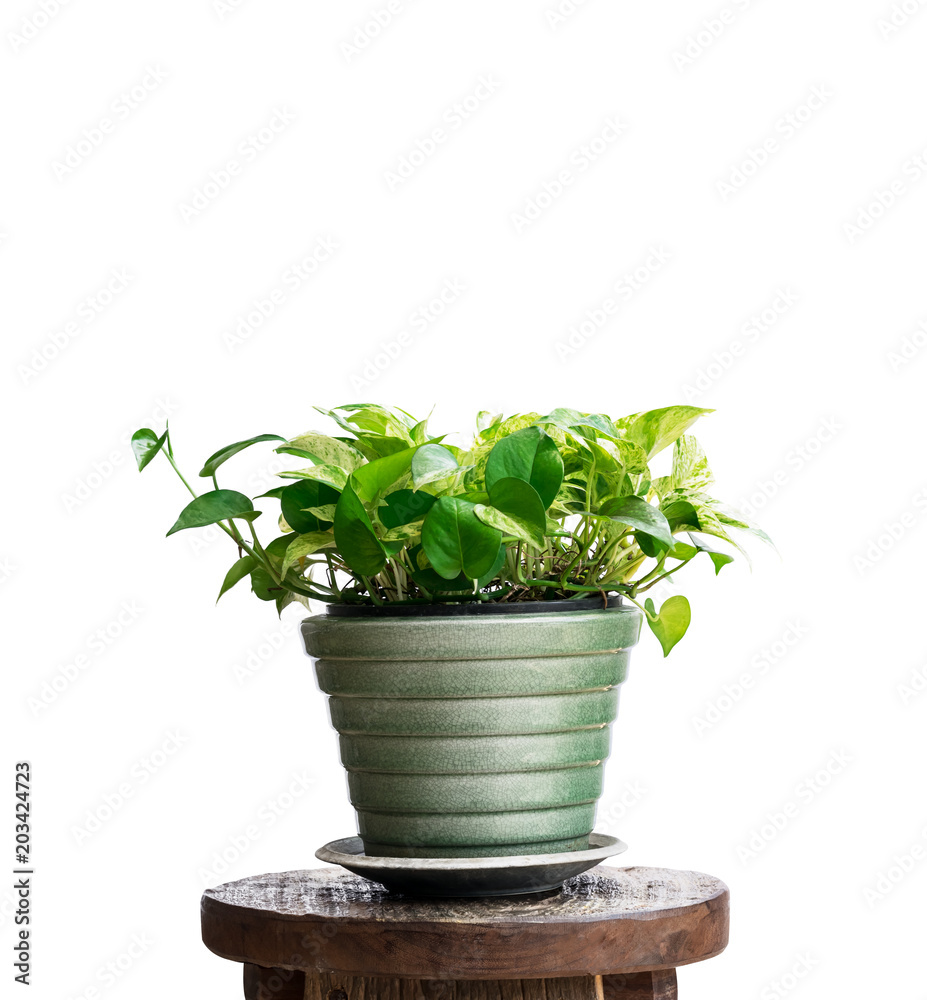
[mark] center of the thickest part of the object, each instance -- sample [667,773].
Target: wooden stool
[611,934]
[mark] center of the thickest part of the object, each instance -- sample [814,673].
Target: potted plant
[482,604]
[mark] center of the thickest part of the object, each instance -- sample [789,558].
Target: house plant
[482,603]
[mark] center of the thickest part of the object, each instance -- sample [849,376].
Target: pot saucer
[502,876]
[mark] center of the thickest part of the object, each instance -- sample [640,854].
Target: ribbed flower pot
[477,734]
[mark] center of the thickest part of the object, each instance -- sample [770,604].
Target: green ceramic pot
[478,734]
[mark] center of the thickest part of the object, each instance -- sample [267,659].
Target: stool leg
[273,984]
[660,985]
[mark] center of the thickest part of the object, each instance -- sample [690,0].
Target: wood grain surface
[606,922]
[281,984]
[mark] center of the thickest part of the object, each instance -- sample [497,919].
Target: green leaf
[263,586]
[305,545]
[519,499]
[682,550]
[529,454]
[224,454]
[643,517]
[145,445]
[305,493]
[324,513]
[329,474]
[403,507]
[210,508]
[357,543]
[509,524]
[323,450]
[680,513]
[655,429]
[432,462]
[402,533]
[570,419]
[378,420]
[276,493]
[239,571]
[690,466]
[457,541]
[287,598]
[719,559]
[376,477]
[424,575]
[277,548]
[670,625]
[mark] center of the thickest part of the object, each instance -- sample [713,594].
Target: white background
[819,410]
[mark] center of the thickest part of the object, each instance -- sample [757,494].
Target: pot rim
[476,608]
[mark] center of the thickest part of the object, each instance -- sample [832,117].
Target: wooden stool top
[607,921]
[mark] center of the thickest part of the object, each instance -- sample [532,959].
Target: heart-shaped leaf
[509,524]
[521,500]
[529,454]
[428,578]
[215,506]
[670,625]
[456,541]
[145,445]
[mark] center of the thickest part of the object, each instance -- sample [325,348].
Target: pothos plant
[537,507]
